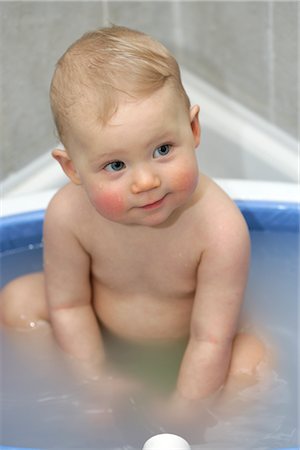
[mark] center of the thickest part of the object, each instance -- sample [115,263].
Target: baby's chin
[161,220]
[145,220]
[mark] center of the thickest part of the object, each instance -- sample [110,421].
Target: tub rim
[23,229]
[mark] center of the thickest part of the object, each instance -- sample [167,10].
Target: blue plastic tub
[24,230]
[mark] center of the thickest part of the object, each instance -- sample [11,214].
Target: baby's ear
[195,125]
[67,165]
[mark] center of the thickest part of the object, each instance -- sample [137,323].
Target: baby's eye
[163,150]
[115,166]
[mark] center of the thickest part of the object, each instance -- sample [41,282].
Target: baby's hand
[101,379]
[179,415]
[114,386]
[108,396]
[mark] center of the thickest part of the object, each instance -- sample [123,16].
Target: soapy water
[43,405]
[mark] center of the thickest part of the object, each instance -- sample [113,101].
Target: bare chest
[161,264]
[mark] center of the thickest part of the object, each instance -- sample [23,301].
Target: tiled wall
[249,50]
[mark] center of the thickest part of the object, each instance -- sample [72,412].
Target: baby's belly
[141,317]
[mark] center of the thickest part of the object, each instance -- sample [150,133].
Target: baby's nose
[144,180]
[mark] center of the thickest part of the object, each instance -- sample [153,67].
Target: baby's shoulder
[68,206]
[218,214]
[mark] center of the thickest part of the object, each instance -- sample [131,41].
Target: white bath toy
[166,441]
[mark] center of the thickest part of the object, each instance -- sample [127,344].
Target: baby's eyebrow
[103,157]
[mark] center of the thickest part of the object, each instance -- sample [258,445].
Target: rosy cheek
[108,204]
[187,180]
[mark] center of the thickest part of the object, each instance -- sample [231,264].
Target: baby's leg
[248,355]
[23,302]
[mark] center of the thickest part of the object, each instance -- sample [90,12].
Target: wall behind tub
[248,50]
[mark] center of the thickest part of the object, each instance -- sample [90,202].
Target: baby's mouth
[155,204]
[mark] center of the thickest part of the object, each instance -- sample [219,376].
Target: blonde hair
[105,64]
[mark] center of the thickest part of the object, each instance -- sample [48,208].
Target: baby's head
[127,126]
[105,67]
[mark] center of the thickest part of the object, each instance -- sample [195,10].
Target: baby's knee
[8,304]
[249,354]
[22,302]
[11,304]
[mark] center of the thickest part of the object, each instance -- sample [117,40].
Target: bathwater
[44,405]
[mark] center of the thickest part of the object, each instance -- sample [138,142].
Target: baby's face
[141,166]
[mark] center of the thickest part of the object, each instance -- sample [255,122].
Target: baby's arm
[68,289]
[221,280]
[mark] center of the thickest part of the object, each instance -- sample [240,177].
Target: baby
[139,243]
